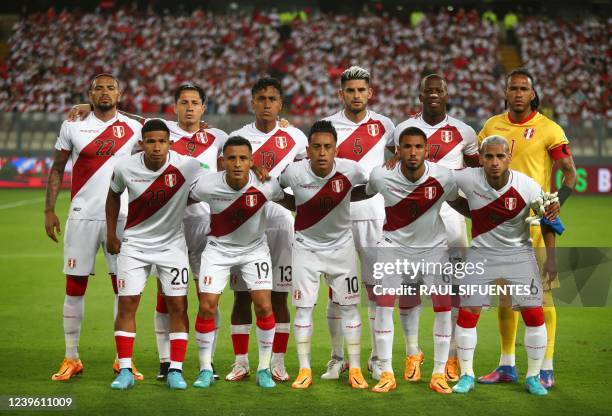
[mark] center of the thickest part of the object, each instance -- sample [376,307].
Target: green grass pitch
[32,344]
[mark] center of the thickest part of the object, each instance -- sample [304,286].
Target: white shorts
[279,236]
[171,264]
[338,267]
[518,269]
[82,239]
[196,232]
[367,234]
[254,266]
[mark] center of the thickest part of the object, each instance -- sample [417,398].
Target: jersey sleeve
[397,131]
[284,179]
[390,129]
[199,187]
[117,183]
[274,192]
[376,183]
[453,190]
[484,132]
[222,138]
[558,145]
[302,143]
[463,179]
[64,141]
[471,142]
[359,176]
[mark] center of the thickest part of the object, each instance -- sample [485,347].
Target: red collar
[531,116]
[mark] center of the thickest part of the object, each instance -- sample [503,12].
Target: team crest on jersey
[201,137]
[510,203]
[170,179]
[281,142]
[446,136]
[297,295]
[430,192]
[118,131]
[529,133]
[207,280]
[373,130]
[72,263]
[337,185]
[251,200]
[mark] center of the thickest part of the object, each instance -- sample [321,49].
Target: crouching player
[499,201]
[158,182]
[323,245]
[414,191]
[236,199]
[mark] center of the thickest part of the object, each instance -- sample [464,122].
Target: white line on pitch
[25,202]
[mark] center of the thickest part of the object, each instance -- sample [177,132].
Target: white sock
[265,338]
[535,345]
[371,319]
[161,322]
[441,336]
[507,359]
[452,351]
[410,325]
[205,341]
[466,344]
[334,324]
[547,364]
[74,308]
[384,329]
[217,326]
[351,328]
[302,332]
[116,307]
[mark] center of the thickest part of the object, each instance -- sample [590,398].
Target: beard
[105,107]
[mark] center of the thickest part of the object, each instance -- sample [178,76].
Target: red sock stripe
[125,346]
[467,319]
[533,316]
[178,348]
[161,304]
[240,343]
[441,303]
[281,339]
[204,325]
[266,323]
[76,286]
[114,283]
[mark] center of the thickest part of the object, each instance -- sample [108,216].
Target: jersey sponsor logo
[323,202]
[155,197]
[97,152]
[528,133]
[72,263]
[504,208]
[362,140]
[274,150]
[443,141]
[237,213]
[281,142]
[414,205]
[251,200]
[201,137]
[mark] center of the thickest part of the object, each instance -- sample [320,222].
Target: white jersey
[157,200]
[498,216]
[364,142]
[205,145]
[95,146]
[276,149]
[413,208]
[448,141]
[323,219]
[237,222]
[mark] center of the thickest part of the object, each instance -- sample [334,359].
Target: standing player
[414,192]
[536,142]
[158,182]
[363,136]
[236,198]
[324,245]
[499,202]
[93,144]
[274,147]
[452,144]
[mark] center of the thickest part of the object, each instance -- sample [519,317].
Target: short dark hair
[189,87]
[237,141]
[154,124]
[103,75]
[323,126]
[412,131]
[263,83]
[535,103]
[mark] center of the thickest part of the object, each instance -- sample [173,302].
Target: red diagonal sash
[504,208]
[323,202]
[163,188]
[410,209]
[237,213]
[442,141]
[362,140]
[195,144]
[98,152]
[274,150]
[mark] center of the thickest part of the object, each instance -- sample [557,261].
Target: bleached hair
[492,140]
[355,72]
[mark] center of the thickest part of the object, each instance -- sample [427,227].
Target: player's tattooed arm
[567,167]
[471,161]
[52,224]
[461,206]
[288,202]
[261,173]
[113,205]
[359,193]
[549,269]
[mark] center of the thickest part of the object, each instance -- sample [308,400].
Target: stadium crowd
[52,56]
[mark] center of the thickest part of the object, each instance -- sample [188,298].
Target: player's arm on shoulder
[54,183]
[113,206]
[288,201]
[460,204]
